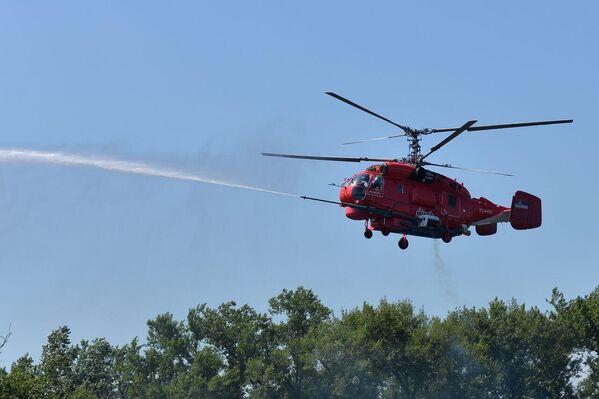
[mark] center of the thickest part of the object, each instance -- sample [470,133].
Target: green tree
[168,351]
[304,313]
[95,368]
[345,369]
[516,352]
[390,337]
[194,383]
[240,334]
[131,376]
[390,350]
[581,316]
[23,381]
[57,364]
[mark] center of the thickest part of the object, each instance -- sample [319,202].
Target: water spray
[59,158]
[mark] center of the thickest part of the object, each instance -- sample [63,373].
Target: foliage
[299,349]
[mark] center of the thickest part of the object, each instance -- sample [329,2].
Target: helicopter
[404,196]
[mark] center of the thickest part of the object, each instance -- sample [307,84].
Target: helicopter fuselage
[424,203]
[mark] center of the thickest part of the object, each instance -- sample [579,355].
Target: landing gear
[385,231]
[446,237]
[403,243]
[367,231]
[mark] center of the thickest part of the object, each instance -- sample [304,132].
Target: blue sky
[205,87]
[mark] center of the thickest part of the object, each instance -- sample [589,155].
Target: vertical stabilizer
[526,211]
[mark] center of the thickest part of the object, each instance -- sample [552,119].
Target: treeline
[299,349]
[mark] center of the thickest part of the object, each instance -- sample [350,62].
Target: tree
[304,313]
[23,381]
[168,352]
[56,364]
[95,368]
[344,368]
[130,375]
[515,352]
[4,338]
[195,383]
[389,350]
[389,338]
[581,317]
[240,334]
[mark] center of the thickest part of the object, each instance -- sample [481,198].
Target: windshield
[360,180]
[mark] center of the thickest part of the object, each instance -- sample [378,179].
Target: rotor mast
[414,156]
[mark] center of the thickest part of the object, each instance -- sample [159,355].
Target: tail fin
[526,211]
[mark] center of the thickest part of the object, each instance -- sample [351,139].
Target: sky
[204,87]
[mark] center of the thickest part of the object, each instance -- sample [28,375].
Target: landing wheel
[368,234]
[385,231]
[403,243]
[446,237]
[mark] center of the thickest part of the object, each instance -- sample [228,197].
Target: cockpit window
[377,184]
[360,180]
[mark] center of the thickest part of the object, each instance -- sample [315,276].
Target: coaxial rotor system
[414,136]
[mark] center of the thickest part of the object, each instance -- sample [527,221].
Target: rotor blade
[467,169]
[375,139]
[473,129]
[353,104]
[318,158]
[506,126]
[452,136]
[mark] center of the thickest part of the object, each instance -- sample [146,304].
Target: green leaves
[57,363]
[516,352]
[301,350]
[23,381]
[580,318]
[239,334]
[95,367]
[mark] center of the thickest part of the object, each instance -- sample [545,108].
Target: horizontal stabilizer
[502,217]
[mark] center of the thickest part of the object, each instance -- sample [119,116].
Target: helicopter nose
[345,194]
[352,193]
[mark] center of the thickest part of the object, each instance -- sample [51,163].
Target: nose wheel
[403,243]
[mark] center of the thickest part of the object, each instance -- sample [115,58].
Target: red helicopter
[402,196]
